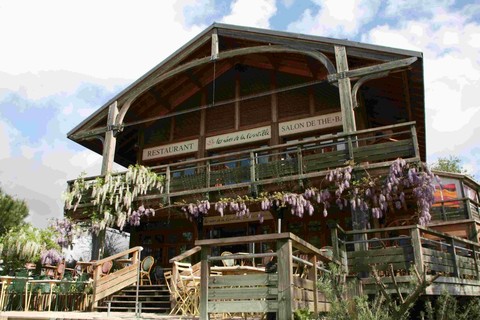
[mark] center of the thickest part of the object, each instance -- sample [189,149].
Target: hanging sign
[231,218]
[169,150]
[238,137]
[310,124]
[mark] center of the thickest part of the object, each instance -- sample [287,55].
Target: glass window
[471,193]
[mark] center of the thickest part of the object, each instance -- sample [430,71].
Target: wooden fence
[293,286]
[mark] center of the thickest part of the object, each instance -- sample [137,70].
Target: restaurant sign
[232,218]
[169,150]
[239,137]
[310,124]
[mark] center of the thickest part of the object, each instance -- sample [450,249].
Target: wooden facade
[239,111]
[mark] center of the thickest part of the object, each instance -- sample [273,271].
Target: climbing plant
[24,244]
[342,188]
[111,197]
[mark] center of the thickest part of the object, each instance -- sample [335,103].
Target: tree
[451,164]
[12,212]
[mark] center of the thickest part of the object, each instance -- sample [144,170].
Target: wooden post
[168,181]
[475,259]
[253,169]
[345,90]
[335,247]
[416,149]
[313,276]
[204,275]
[417,249]
[468,206]
[456,270]
[96,276]
[208,170]
[110,140]
[98,240]
[285,279]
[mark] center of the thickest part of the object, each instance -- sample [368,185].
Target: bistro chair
[179,299]
[60,270]
[106,267]
[145,268]
[227,262]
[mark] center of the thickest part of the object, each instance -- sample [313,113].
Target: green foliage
[303,314]
[360,307]
[447,307]
[24,244]
[451,164]
[12,212]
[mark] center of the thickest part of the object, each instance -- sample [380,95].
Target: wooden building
[241,111]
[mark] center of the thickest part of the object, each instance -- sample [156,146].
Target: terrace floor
[57,315]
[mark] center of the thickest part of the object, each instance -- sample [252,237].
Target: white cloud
[5,138]
[243,13]
[110,38]
[451,74]
[288,3]
[336,18]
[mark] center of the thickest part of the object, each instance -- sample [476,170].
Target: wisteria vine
[366,194]
[112,197]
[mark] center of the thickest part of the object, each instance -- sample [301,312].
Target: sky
[60,60]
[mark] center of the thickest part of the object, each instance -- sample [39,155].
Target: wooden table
[238,270]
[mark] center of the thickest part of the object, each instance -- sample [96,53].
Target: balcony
[260,169]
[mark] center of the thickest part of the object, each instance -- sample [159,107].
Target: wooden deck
[292,286]
[399,250]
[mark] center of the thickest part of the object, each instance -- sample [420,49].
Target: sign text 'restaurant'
[169,150]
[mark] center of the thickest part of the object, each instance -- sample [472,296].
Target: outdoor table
[238,270]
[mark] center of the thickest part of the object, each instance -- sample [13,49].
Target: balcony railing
[395,251]
[308,158]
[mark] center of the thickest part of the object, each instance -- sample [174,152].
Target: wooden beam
[387,66]
[361,81]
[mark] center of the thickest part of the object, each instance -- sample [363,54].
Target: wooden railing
[399,249]
[451,210]
[282,292]
[369,148]
[105,285]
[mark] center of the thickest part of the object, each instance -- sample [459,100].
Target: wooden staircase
[153,299]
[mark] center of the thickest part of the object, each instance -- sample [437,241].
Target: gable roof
[234,37]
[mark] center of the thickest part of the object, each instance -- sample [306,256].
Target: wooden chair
[181,298]
[227,262]
[106,267]
[145,268]
[187,285]
[60,270]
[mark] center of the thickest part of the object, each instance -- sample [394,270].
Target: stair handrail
[185,254]
[97,271]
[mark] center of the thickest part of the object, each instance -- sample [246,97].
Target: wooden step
[154,298]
